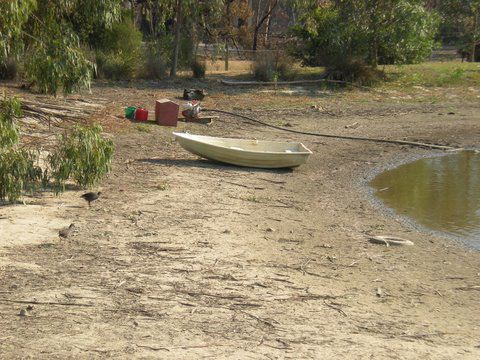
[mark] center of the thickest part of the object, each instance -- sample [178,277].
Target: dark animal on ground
[65,232]
[91,196]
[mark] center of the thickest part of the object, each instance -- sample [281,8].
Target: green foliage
[10,109]
[17,166]
[464,17]
[13,15]
[18,172]
[156,59]
[269,66]
[119,52]
[186,51]
[198,69]
[365,32]
[58,63]
[116,66]
[83,155]
[52,32]
[433,74]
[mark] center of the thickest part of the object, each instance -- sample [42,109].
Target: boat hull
[247,153]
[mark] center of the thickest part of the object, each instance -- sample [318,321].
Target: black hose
[398,142]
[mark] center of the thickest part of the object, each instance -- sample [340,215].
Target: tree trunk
[267,25]
[255,31]
[375,55]
[176,42]
[227,55]
[474,37]
[259,22]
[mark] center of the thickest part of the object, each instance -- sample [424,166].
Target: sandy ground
[182,258]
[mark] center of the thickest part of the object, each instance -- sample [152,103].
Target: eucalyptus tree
[52,34]
[370,31]
[194,17]
[464,15]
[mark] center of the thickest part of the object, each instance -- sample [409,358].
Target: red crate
[166,112]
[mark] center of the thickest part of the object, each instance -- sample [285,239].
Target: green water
[441,193]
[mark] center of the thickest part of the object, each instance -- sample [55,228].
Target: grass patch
[163,186]
[433,74]
[251,198]
[144,128]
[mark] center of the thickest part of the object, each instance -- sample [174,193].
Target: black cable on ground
[398,142]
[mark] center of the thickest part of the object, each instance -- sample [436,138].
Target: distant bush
[116,66]
[186,52]
[346,35]
[273,65]
[119,53]
[355,71]
[156,59]
[198,68]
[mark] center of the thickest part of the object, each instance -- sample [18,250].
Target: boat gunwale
[182,135]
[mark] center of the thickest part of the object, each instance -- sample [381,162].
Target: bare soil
[183,258]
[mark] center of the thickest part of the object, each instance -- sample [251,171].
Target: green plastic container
[130,112]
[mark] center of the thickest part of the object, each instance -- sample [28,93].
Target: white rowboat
[249,153]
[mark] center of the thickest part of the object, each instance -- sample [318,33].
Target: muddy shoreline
[183,258]
[408,221]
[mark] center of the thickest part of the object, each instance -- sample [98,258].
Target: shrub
[58,62]
[198,68]
[10,109]
[365,32]
[116,66]
[156,59]
[17,166]
[119,51]
[18,172]
[355,71]
[83,156]
[185,56]
[273,65]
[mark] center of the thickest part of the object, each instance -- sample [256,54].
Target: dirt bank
[183,258]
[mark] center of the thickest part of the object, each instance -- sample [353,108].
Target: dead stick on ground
[152,347]
[263,321]
[44,303]
[335,308]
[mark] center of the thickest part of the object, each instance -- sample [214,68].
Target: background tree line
[60,45]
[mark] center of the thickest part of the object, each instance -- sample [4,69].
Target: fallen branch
[45,303]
